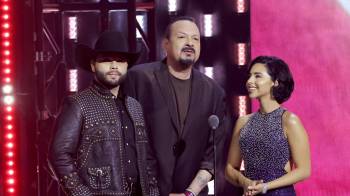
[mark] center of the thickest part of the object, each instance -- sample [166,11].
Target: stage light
[240,54]
[11,181]
[73,80]
[6,43]
[208,25]
[9,145]
[172,5]
[141,20]
[7,89]
[9,118]
[7,61]
[6,34]
[6,25]
[242,105]
[209,71]
[5,7]
[8,109]
[9,127]
[241,6]
[10,172]
[9,136]
[9,99]
[7,71]
[7,79]
[72,27]
[10,154]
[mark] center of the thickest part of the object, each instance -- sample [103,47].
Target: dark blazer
[149,84]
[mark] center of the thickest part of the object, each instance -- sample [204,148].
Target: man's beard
[102,78]
[186,63]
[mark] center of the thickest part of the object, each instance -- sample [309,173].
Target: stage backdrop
[313,37]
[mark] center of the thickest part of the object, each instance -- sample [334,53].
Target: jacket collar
[104,92]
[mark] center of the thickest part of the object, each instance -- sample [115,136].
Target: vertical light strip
[242,51]
[141,20]
[240,55]
[208,25]
[172,5]
[241,6]
[72,27]
[209,71]
[8,128]
[73,80]
[242,105]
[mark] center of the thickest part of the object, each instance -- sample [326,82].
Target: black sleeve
[64,147]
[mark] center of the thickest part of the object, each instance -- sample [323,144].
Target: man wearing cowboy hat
[101,145]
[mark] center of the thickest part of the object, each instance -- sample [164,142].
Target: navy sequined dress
[265,149]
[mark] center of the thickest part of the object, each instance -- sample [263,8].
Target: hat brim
[84,54]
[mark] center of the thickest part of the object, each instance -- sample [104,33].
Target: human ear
[92,65]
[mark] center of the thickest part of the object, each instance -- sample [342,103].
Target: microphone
[213,122]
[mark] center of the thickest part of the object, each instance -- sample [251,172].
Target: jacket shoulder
[210,83]
[146,67]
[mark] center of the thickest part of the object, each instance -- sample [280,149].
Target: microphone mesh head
[213,121]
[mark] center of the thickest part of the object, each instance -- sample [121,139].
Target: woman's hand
[250,187]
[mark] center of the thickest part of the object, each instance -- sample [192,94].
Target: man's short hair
[168,28]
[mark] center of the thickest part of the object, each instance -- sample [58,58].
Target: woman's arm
[232,172]
[300,151]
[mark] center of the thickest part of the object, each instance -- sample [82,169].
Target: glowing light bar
[7,89]
[241,6]
[242,105]
[8,130]
[172,5]
[9,100]
[209,71]
[72,27]
[73,80]
[240,54]
[141,20]
[208,25]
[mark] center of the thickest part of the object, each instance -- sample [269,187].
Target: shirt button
[129,161]
[127,144]
[126,127]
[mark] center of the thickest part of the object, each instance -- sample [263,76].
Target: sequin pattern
[264,147]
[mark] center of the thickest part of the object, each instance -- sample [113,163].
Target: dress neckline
[269,113]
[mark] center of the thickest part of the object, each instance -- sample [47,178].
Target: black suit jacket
[150,85]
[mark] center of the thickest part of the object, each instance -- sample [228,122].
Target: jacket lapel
[194,110]
[168,94]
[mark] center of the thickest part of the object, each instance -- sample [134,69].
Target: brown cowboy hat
[108,42]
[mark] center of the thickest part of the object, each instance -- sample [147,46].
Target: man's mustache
[114,72]
[188,49]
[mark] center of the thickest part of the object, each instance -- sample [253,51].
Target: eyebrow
[187,34]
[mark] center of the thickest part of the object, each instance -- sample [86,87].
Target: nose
[114,65]
[189,41]
[250,80]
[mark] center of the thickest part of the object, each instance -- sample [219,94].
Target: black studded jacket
[87,151]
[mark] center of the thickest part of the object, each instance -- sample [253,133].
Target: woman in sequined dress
[272,142]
